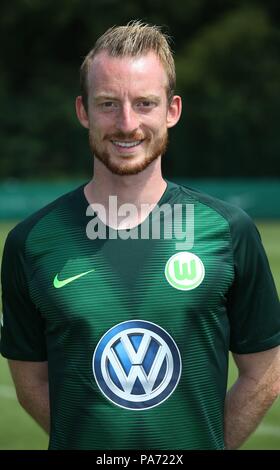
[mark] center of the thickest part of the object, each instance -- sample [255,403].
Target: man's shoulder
[234,215]
[20,232]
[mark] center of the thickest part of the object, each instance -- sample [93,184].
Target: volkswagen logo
[137,365]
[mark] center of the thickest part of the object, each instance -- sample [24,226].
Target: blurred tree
[229,74]
[228,69]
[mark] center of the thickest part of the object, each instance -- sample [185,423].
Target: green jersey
[136,330]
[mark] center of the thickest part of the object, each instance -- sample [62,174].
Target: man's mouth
[128,144]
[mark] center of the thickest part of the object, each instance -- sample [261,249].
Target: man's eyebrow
[155,98]
[107,96]
[104,96]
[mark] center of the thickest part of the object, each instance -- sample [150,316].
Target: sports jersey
[137,332]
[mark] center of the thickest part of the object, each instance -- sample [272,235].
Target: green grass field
[19,431]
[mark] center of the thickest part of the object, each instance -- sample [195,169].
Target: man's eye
[146,103]
[107,104]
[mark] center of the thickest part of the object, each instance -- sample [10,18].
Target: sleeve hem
[269,343]
[23,357]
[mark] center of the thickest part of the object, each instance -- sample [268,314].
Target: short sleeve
[253,304]
[22,326]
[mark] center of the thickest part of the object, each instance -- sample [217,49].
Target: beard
[127,165]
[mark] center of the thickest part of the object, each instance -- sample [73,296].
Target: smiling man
[122,342]
[128,104]
[130,114]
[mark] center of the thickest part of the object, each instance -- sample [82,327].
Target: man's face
[128,112]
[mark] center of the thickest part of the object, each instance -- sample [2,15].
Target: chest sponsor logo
[184,271]
[137,365]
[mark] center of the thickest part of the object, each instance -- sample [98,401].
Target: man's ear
[81,112]
[174,111]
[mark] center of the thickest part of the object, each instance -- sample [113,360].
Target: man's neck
[144,188]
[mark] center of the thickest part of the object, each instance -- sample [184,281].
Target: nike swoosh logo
[58,284]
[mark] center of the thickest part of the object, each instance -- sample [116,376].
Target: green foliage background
[228,70]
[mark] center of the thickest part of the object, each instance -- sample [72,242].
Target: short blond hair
[134,39]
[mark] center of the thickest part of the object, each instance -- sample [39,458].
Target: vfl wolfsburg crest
[184,271]
[136,365]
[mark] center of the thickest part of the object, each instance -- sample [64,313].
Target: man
[121,341]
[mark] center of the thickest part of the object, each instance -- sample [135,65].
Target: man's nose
[128,120]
